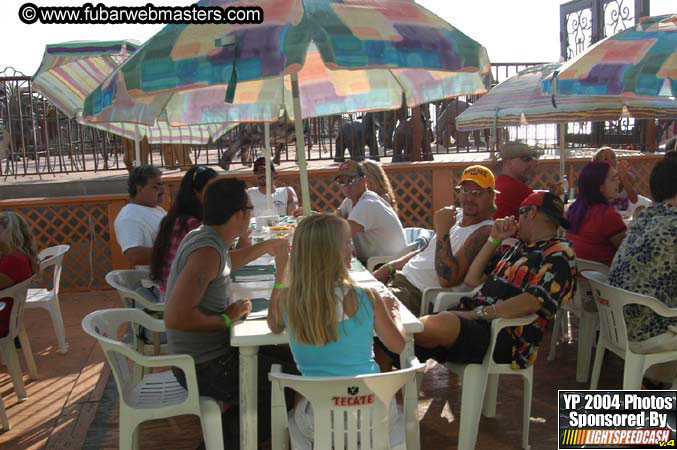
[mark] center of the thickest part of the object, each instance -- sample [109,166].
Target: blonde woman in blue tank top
[330,320]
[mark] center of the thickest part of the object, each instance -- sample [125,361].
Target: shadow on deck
[74,403]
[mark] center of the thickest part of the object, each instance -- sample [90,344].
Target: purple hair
[590,181]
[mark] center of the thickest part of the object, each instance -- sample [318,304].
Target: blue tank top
[351,354]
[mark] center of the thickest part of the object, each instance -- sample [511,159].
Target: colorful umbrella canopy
[308,57]
[519,101]
[72,70]
[366,53]
[641,60]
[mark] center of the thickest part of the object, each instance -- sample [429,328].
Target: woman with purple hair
[596,228]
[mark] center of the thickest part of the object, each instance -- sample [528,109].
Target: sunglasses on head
[528,158]
[198,169]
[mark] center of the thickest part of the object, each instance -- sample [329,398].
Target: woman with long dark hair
[596,228]
[184,215]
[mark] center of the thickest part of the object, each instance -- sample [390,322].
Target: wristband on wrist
[493,241]
[390,268]
[278,286]
[226,317]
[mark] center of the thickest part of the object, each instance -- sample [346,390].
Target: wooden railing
[86,222]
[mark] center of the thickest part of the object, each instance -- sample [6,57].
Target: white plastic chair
[613,334]
[587,325]
[18,293]
[126,282]
[415,238]
[480,381]
[434,299]
[334,422]
[157,395]
[49,299]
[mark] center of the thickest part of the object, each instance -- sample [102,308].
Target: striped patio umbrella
[70,71]
[308,57]
[639,61]
[519,101]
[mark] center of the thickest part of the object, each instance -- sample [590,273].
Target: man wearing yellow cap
[459,237]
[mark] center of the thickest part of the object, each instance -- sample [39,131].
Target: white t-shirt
[420,270]
[138,226]
[280,197]
[345,207]
[383,234]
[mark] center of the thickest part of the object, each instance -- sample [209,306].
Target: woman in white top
[284,198]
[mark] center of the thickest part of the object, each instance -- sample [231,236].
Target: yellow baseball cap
[480,175]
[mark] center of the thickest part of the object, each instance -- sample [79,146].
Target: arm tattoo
[446,265]
[474,243]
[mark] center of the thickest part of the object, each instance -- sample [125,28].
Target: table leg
[410,400]
[248,398]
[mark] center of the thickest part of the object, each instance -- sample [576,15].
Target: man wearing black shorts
[536,275]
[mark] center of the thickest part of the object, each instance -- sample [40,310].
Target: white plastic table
[250,334]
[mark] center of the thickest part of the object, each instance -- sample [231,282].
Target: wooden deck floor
[63,403]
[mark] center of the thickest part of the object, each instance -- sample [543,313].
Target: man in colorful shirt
[646,262]
[536,275]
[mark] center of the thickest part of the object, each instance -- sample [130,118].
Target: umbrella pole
[137,149]
[562,151]
[137,153]
[269,174]
[300,144]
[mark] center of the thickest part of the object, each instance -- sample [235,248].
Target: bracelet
[493,241]
[278,286]
[390,268]
[226,317]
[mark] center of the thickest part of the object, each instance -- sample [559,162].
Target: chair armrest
[499,323]
[274,369]
[655,305]
[441,299]
[413,361]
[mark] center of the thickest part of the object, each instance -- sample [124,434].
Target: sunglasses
[472,192]
[349,181]
[528,158]
[524,210]
[198,169]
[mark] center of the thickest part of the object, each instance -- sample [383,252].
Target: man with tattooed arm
[459,237]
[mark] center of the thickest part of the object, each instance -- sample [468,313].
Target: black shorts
[471,345]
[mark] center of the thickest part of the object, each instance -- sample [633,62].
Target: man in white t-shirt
[137,224]
[376,229]
[459,237]
[284,198]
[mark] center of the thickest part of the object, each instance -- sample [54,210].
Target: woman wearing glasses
[597,229]
[185,215]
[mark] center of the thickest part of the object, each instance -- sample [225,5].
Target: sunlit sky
[511,30]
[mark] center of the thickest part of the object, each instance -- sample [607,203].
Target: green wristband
[390,267]
[226,317]
[493,241]
[278,286]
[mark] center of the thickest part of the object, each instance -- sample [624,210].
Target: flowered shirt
[646,262]
[545,269]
